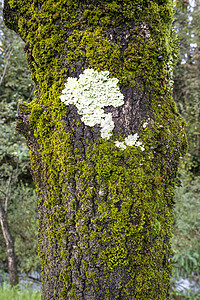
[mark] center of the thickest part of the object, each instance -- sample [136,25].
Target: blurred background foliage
[15,175]
[186,239]
[16,183]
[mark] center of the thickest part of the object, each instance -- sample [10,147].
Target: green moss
[36,112]
[113,206]
[156,228]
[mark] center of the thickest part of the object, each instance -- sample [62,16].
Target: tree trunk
[12,265]
[104,156]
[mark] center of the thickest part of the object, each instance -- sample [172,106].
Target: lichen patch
[90,93]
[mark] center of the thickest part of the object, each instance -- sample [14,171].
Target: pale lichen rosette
[90,94]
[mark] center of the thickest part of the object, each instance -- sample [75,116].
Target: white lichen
[145,124]
[90,93]
[170,68]
[101,192]
[130,140]
[120,145]
[107,126]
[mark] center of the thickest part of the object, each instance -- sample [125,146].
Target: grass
[16,293]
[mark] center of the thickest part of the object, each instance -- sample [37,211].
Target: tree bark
[105,212]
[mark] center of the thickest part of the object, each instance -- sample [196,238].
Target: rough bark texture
[105,214]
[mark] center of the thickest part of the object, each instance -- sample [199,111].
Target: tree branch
[8,193]
[6,65]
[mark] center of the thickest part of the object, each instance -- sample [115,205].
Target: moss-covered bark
[105,213]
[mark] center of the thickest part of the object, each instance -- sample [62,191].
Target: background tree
[105,181]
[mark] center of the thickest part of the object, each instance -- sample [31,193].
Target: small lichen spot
[130,140]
